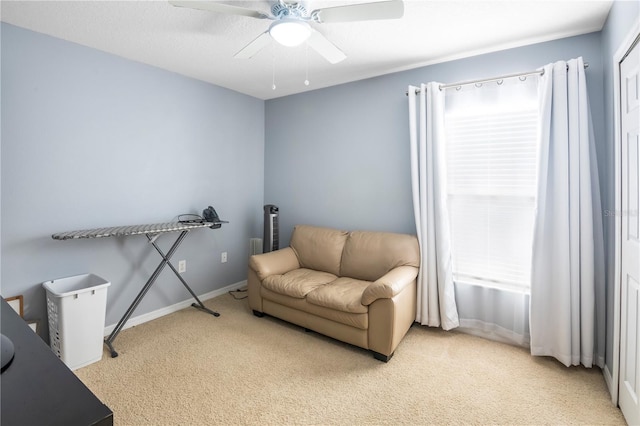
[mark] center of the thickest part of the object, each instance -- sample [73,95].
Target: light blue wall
[340,156]
[622,17]
[93,140]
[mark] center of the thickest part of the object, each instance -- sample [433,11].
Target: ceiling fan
[291,22]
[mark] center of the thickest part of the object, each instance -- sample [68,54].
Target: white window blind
[491,173]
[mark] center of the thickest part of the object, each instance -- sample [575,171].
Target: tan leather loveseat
[358,287]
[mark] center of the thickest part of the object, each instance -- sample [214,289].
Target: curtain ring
[522,78]
[478,85]
[500,82]
[459,88]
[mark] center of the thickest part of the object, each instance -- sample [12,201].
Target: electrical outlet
[182,266]
[223,257]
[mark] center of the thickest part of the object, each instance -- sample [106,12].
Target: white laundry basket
[76,308]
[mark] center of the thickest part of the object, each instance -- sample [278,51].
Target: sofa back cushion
[369,255]
[318,248]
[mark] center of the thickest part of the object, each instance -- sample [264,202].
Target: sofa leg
[381,357]
[258,314]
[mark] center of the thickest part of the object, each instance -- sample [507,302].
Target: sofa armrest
[274,263]
[389,284]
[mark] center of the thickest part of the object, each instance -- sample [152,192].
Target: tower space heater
[271,238]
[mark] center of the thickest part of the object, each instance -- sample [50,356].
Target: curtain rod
[487,80]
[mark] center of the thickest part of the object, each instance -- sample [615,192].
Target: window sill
[513,288]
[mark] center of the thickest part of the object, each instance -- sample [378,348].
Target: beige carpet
[190,368]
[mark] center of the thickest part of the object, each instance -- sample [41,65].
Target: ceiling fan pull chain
[306,64]
[273,68]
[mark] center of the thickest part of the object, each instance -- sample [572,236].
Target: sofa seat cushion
[360,321]
[298,283]
[344,294]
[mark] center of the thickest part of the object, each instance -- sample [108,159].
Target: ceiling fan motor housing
[289,10]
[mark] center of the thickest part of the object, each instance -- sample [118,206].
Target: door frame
[612,377]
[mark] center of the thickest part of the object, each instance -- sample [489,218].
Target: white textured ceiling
[201,44]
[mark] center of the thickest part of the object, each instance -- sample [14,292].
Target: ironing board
[152,232]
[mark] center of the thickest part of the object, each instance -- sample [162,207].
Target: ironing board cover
[118,231]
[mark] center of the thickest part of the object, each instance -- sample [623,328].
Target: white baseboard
[141,319]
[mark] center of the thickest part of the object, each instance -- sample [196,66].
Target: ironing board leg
[199,304]
[165,261]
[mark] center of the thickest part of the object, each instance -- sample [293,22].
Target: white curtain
[493,313]
[567,280]
[436,298]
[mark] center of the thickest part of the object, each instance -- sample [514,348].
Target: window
[492,135]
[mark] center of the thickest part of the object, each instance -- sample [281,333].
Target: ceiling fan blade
[254,47]
[390,9]
[214,6]
[325,48]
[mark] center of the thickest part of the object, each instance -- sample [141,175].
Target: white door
[629,391]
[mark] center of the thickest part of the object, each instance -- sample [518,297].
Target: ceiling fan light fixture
[290,32]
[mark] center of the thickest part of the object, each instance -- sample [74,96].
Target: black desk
[37,388]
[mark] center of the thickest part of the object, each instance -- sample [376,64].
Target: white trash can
[76,308]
